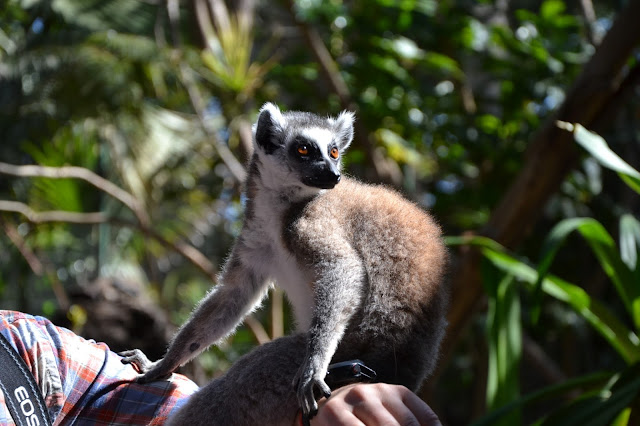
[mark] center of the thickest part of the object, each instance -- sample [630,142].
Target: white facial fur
[322,137]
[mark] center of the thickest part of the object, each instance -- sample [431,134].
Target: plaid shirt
[83,382]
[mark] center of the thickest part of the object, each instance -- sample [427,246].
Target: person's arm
[374,404]
[83,382]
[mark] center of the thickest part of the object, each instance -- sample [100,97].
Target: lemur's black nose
[328,178]
[324,176]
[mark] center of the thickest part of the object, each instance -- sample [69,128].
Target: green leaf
[620,337]
[629,240]
[622,419]
[599,149]
[398,148]
[442,63]
[474,240]
[96,15]
[607,254]
[389,65]
[505,342]
[603,408]
[551,9]
[489,123]
[579,383]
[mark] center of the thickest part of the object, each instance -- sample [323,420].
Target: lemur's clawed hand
[150,370]
[308,379]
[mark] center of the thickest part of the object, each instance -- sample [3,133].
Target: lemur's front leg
[338,293]
[217,315]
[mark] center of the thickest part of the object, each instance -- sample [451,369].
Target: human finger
[336,411]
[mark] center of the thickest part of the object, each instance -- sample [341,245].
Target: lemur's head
[300,149]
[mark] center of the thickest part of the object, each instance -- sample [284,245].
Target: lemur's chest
[265,249]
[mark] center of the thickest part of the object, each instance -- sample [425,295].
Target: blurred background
[125,126]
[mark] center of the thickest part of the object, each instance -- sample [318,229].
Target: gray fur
[361,266]
[256,390]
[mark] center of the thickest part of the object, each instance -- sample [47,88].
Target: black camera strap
[21,394]
[347,372]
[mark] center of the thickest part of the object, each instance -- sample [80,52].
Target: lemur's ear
[343,126]
[269,128]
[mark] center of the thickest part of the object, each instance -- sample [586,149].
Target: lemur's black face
[317,164]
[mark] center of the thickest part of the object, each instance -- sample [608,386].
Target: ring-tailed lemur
[362,266]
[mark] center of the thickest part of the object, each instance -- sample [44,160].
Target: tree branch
[257,329]
[277,310]
[327,65]
[186,250]
[173,12]
[227,157]
[52,216]
[37,266]
[84,174]
[243,127]
[197,101]
[589,14]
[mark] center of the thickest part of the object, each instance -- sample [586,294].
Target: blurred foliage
[154,98]
[610,398]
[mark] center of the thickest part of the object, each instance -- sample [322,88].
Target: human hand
[374,404]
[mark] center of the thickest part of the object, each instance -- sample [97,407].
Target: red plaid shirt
[83,382]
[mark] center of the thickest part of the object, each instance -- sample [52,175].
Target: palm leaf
[618,335]
[606,252]
[598,148]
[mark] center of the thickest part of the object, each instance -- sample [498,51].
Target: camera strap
[342,374]
[21,393]
[347,372]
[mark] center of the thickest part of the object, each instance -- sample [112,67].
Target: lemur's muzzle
[324,176]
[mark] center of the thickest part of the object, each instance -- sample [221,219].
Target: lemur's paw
[150,371]
[306,383]
[137,358]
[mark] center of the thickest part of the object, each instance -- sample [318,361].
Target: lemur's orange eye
[303,150]
[334,153]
